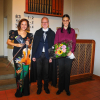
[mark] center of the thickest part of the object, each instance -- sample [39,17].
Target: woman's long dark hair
[69,27]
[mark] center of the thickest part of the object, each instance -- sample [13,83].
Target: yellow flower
[56,45]
[61,44]
[59,52]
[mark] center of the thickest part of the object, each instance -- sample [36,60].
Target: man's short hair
[43,18]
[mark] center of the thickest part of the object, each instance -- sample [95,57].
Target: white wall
[68,8]
[1,28]
[19,8]
[8,15]
[5,38]
[86,17]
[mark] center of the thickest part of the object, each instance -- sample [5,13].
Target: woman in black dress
[21,70]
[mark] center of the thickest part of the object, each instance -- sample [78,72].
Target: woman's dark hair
[69,27]
[19,24]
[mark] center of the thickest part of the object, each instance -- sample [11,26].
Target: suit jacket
[52,66]
[38,35]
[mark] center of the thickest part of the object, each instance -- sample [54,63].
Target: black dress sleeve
[11,34]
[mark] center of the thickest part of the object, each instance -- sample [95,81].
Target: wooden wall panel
[83,63]
[45,7]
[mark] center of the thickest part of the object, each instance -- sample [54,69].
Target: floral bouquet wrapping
[60,49]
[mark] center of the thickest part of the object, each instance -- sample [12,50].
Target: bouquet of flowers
[60,49]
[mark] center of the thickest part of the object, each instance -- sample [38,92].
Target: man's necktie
[44,35]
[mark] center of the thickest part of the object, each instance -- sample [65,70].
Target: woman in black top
[21,71]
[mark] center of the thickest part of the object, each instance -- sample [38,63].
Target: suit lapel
[48,34]
[40,34]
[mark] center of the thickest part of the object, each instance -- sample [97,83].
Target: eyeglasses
[65,20]
[44,22]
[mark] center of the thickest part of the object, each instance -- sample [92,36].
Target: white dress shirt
[44,35]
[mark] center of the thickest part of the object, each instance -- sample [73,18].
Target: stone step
[7,87]
[4,68]
[7,81]
[7,76]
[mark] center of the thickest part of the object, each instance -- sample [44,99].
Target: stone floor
[89,90]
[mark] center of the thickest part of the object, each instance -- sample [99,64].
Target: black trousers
[64,73]
[42,70]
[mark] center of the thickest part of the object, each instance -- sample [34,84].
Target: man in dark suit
[43,40]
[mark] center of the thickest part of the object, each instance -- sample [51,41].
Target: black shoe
[26,94]
[18,94]
[58,92]
[39,91]
[47,91]
[68,93]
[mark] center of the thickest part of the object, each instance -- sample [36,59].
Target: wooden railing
[83,63]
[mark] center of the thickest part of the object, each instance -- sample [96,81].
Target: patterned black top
[12,35]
